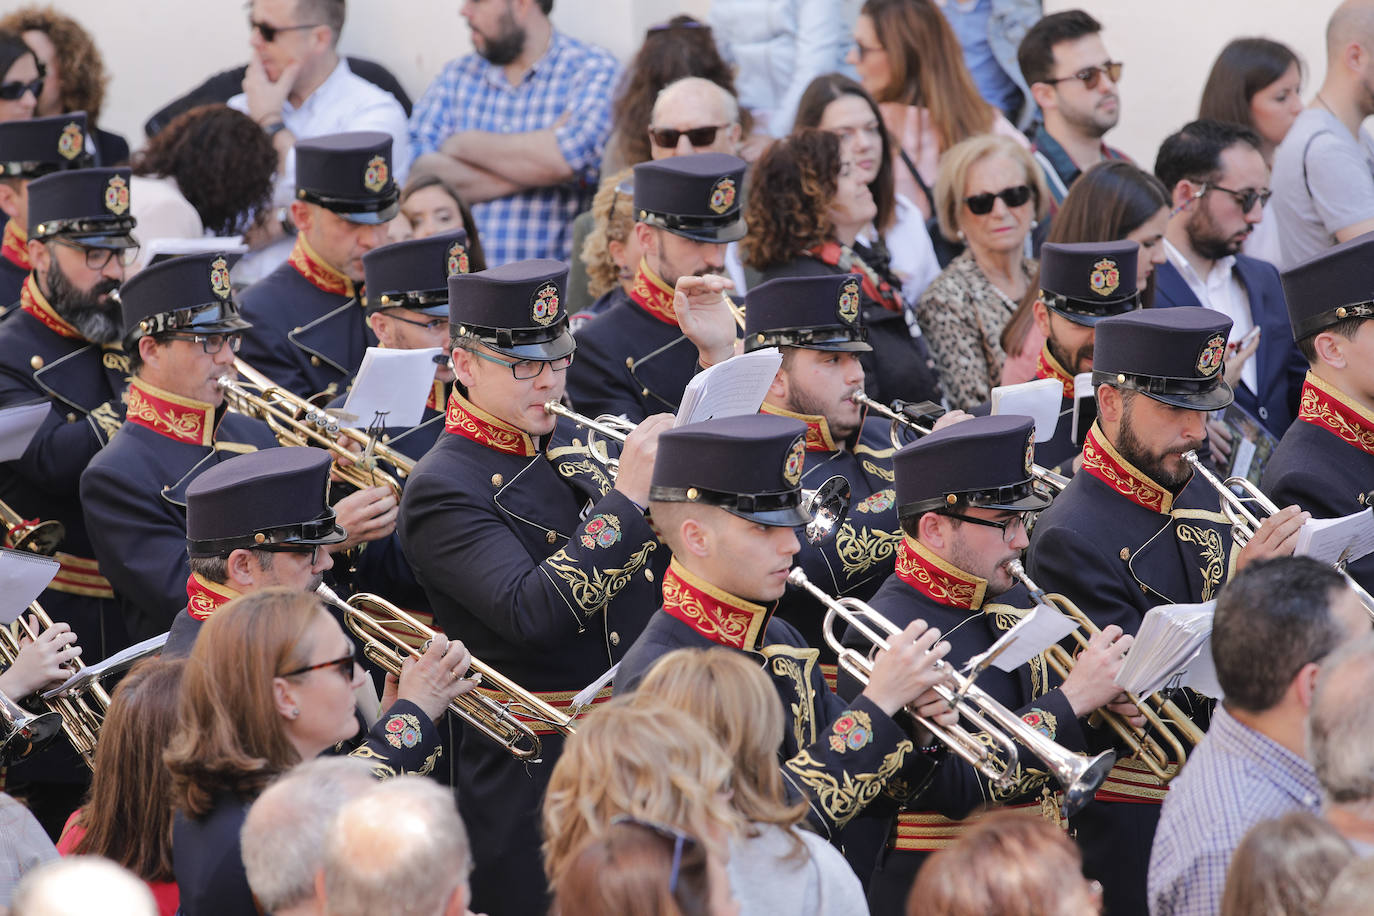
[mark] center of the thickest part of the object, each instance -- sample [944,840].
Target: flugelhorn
[32,535]
[378,624]
[996,757]
[1171,723]
[24,732]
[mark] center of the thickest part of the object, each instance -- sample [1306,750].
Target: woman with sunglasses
[272,681]
[989,195]
[21,78]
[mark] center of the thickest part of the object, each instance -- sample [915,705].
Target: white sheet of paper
[1169,641]
[1038,399]
[1245,456]
[1334,539]
[1041,628]
[1083,389]
[733,388]
[23,576]
[1201,673]
[395,383]
[17,428]
[122,659]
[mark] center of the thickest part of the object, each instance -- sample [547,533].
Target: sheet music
[393,383]
[1172,639]
[1038,399]
[1037,631]
[23,576]
[117,662]
[18,426]
[1333,540]
[733,388]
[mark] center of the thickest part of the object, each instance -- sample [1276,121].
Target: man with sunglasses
[1218,184]
[1073,80]
[28,150]
[525,545]
[694,115]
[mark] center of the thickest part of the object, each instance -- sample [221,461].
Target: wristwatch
[274,128]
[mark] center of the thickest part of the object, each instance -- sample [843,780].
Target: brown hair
[1283,867]
[791,188]
[628,869]
[956,164]
[831,87]
[128,814]
[613,219]
[928,68]
[80,67]
[418,181]
[229,737]
[1243,68]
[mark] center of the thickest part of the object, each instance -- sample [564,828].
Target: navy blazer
[1280,365]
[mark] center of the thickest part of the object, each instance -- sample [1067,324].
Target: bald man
[1323,177]
[694,115]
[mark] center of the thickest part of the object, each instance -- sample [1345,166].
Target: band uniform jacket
[927,588]
[208,865]
[547,574]
[1116,544]
[1325,462]
[14,269]
[133,494]
[309,331]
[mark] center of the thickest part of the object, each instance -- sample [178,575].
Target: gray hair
[697,85]
[1340,725]
[76,885]
[405,832]
[283,836]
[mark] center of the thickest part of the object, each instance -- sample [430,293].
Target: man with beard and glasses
[1073,80]
[636,358]
[1218,183]
[1137,528]
[518,128]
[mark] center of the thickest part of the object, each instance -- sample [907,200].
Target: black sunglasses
[667,137]
[269,32]
[344,663]
[982,204]
[12,92]
[1091,76]
[1246,198]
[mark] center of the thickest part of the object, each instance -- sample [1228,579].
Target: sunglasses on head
[1091,76]
[667,137]
[982,204]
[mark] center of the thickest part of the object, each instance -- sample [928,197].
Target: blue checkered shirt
[571,78]
[1234,779]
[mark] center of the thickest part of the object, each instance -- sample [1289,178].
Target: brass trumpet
[1245,521]
[995,758]
[370,618]
[34,536]
[296,421]
[1171,723]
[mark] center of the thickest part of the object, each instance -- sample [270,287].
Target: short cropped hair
[1340,725]
[82,884]
[1194,152]
[322,12]
[1036,53]
[1284,866]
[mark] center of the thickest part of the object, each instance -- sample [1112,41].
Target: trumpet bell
[1080,778]
[25,732]
[42,538]
[827,505]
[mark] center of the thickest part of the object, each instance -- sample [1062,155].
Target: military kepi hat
[818,313]
[190,294]
[272,498]
[1335,286]
[982,463]
[88,205]
[517,309]
[750,466]
[33,148]
[696,196]
[1087,281]
[414,274]
[349,173]
[1173,355]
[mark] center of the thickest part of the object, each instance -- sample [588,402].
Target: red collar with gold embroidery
[436,398]
[936,579]
[13,247]
[1324,406]
[471,422]
[717,615]
[204,597]
[818,438]
[650,293]
[1105,463]
[309,265]
[1048,367]
[31,300]
[170,415]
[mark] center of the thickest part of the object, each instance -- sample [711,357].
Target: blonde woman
[610,253]
[775,865]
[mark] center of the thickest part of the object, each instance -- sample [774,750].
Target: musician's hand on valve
[433,680]
[637,458]
[950,418]
[906,672]
[1123,707]
[367,515]
[40,662]
[1092,682]
[705,317]
[1277,536]
[349,444]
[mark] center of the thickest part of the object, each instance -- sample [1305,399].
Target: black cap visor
[209,318]
[1017,497]
[1086,313]
[835,338]
[317,532]
[699,229]
[1191,394]
[543,343]
[433,302]
[778,510]
[369,211]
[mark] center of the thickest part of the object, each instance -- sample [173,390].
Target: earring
[1035,224]
[960,233]
[295,712]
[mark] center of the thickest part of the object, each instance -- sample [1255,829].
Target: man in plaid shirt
[518,128]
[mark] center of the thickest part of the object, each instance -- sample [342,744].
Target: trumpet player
[964,495]
[1136,528]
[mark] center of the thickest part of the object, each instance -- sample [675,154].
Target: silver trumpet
[1245,520]
[24,732]
[991,746]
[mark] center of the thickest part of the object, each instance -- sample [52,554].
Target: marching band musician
[528,549]
[1325,462]
[727,495]
[636,357]
[964,495]
[309,332]
[1136,528]
[30,149]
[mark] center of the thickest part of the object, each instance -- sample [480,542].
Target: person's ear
[150,351]
[1041,313]
[284,699]
[1330,349]
[9,200]
[1110,404]
[1044,96]
[696,537]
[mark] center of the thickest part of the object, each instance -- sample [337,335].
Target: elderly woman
[989,195]
[271,682]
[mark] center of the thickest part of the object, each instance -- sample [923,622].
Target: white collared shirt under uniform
[1221,291]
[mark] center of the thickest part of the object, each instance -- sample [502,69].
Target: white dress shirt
[1221,291]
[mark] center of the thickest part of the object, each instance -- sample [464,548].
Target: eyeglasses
[345,664]
[1091,76]
[682,842]
[312,551]
[697,136]
[269,32]
[433,324]
[210,343]
[982,204]
[99,258]
[861,50]
[526,369]
[1008,526]
[13,92]
[1246,198]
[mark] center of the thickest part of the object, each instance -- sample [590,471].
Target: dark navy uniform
[14,267]
[1116,543]
[310,330]
[531,558]
[633,359]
